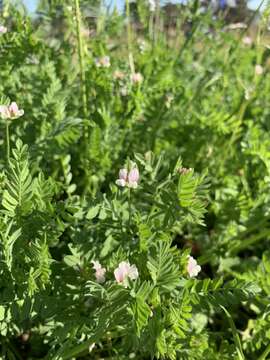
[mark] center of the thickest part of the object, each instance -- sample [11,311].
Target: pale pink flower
[124,91]
[123,178]
[184,170]
[193,268]
[3,29]
[136,78]
[125,271]
[133,178]
[247,40]
[100,271]
[118,75]
[103,62]
[10,111]
[129,179]
[258,70]
[236,26]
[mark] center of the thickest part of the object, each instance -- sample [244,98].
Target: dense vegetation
[168,258]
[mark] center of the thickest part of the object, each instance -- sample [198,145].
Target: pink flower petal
[133,175]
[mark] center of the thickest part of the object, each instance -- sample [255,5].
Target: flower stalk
[81,56]
[7,142]
[129,39]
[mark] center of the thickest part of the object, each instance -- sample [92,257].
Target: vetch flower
[100,271]
[129,179]
[3,29]
[258,70]
[10,111]
[123,91]
[118,75]
[133,178]
[103,62]
[136,78]
[125,271]
[193,268]
[184,170]
[247,40]
[123,178]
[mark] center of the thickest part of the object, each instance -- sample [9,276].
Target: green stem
[81,56]
[265,353]
[250,241]
[129,39]
[129,208]
[7,142]
[80,50]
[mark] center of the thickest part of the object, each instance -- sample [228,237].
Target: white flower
[10,111]
[100,271]
[247,41]
[258,69]
[3,29]
[193,268]
[125,271]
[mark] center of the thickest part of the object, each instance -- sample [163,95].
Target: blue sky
[31,4]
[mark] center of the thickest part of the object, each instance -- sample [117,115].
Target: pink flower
[103,62]
[123,178]
[129,179]
[3,29]
[258,70]
[133,178]
[247,41]
[125,271]
[193,268]
[10,111]
[100,271]
[184,170]
[136,78]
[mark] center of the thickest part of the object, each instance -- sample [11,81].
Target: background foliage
[202,105]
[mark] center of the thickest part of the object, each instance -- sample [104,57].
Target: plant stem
[7,142]
[81,56]
[80,50]
[265,353]
[129,39]
[129,207]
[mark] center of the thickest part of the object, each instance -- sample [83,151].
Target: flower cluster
[103,62]
[128,178]
[122,273]
[10,111]
[184,170]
